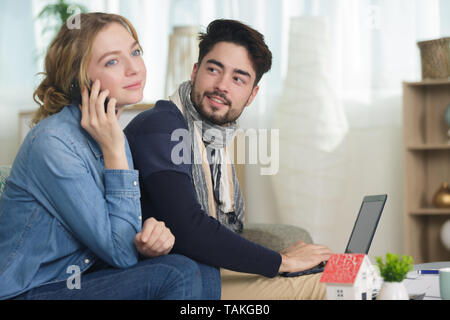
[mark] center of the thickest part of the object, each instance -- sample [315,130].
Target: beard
[213,115]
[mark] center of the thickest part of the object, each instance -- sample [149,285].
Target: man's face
[223,83]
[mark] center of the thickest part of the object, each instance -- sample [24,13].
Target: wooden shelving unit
[426,167]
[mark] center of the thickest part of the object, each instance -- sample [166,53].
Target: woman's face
[117,62]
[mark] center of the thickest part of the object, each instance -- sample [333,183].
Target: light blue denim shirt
[61,208]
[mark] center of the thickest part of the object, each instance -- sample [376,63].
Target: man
[180,150]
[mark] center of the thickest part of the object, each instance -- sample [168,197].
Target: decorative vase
[447,120]
[393,291]
[183,54]
[442,197]
[445,234]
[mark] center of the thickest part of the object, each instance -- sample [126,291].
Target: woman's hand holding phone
[104,126]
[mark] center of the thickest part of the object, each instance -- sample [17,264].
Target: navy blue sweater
[168,194]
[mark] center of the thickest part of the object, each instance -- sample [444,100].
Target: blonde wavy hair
[67,59]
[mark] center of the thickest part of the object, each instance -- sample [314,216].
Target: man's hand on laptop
[302,256]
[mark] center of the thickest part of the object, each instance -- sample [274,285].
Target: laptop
[362,234]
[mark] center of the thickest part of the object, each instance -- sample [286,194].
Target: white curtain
[373,49]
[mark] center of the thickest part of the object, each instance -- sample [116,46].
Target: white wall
[10,106]
[17,69]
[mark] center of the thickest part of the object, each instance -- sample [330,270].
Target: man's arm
[170,197]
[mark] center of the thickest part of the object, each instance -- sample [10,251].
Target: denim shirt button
[135,183]
[86,261]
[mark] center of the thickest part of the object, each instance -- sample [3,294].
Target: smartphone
[75,93]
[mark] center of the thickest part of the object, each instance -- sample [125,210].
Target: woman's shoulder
[62,128]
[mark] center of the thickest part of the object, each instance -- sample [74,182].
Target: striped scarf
[213,173]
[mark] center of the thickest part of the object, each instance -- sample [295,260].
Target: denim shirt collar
[93,145]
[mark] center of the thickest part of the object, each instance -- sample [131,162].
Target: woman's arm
[103,215]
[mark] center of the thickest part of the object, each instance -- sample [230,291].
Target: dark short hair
[236,32]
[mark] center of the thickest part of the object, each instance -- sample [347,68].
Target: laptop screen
[366,224]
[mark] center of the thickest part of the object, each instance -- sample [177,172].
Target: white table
[428,284]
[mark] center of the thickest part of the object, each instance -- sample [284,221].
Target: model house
[349,277]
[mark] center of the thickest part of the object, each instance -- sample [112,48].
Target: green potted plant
[394,271]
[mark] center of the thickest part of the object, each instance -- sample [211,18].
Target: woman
[70,216]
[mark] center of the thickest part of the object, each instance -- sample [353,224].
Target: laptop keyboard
[317,269]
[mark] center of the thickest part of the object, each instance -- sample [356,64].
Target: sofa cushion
[4,173]
[275,236]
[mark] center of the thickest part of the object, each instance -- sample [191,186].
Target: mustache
[219,94]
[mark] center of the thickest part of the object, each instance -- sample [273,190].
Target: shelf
[426,165]
[428,147]
[430,212]
[428,82]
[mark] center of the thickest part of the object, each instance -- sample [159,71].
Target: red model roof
[342,268]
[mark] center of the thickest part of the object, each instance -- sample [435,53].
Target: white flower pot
[393,291]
